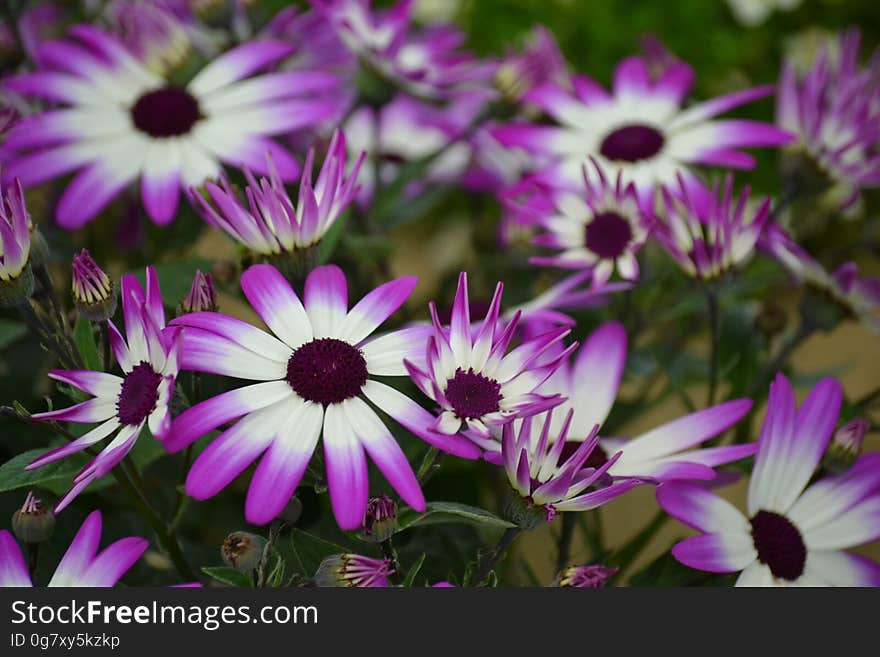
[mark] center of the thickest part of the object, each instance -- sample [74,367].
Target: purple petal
[701,509]
[112,563]
[95,383]
[160,193]
[277,304]
[81,552]
[776,433]
[326,300]
[385,354]
[346,465]
[13,571]
[93,436]
[595,379]
[843,569]
[90,191]
[237,64]
[235,330]
[857,525]
[204,351]
[93,410]
[716,553]
[377,306]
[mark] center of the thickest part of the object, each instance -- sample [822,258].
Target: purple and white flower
[313,376]
[795,533]
[81,565]
[119,123]
[834,109]
[15,233]
[353,570]
[271,224]
[710,234]
[589,385]
[600,228]
[544,476]
[641,129]
[472,378]
[123,405]
[539,61]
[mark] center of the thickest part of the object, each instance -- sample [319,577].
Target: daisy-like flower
[121,123]
[16,277]
[94,293]
[350,570]
[314,374]
[589,386]
[794,533]
[471,377]
[123,405]
[549,481]
[81,565]
[709,234]
[271,224]
[641,129]
[601,229]
[427,63]
[590,577]
[834,111]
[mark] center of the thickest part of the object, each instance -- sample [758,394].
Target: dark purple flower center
[608,235]
[779,544]
[166,112]
[473,395]
[632,143]
[139,394]
[327,371]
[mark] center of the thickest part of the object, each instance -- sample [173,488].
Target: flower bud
[593,577]
[201,297]
[94,294]
[523,513]
[33,523]
[353,570]
[380,521]
[846,445]
[242,550]
[16,229]
[291,512]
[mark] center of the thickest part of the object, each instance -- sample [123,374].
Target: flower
[81,565]
[472,380]
[201,296]
[123,405]
[600,230]
[539,61]
[755,12]
[353,570]
[16,278]
[547,479]
[123,123]
[33,523]
[834,111]
[707,235]
[380,521]
[94,294]
[589,386]
[271,224]
[794,533]
[151,31]
[427,63]
[593,577]
[640,129]
[313,375]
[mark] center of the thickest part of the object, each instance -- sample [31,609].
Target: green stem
[569,522]
[430,465]
[495,555]
[390,553]
[63,326]
[715,337]
[592,529]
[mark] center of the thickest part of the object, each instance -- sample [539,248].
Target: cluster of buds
[33,523]
[94,294]
[380,521]
[593,577]
[202,296]
[353,570]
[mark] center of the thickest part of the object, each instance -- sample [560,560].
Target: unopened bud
[593,577]
[243,550]
[523,513]
[352,570]
[291,512]
[201,297]
[33,523]
[380,521]
[846,445]
[93,292]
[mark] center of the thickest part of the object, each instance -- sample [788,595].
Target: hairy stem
[495,555]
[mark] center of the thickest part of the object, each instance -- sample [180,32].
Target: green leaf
[414,570]
[175,278]
[311,550]
[55,477]
[445,512]
[331,238]
[229,576]
[84,338]
[10,332]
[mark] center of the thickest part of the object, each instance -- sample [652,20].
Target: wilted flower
[353,570]
[33,523]
[122,405]
[94,294]
[708,235]
[16,277]
[81,565]
[271,225]
[201,296]
[834,110]
[242,550]
[124,123]
[548,480]
[593,577]
[313,375]
[795,532]
[469,375]
[641,129]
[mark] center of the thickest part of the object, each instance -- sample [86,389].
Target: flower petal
[716,553]
[377,306]
[277,304]
[701,509]
[346,465]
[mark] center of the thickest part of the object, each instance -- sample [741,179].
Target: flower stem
[495,555]
[715,338]
[569,521]
[592,527]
